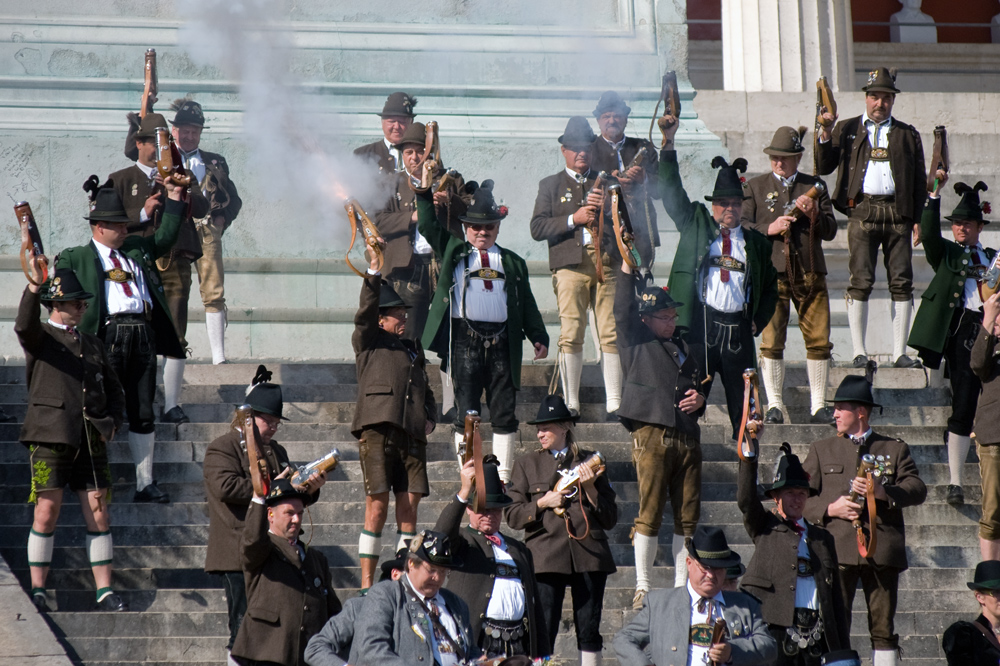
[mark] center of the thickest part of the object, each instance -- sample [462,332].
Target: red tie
[495,540]
[484,257]
[799,529]
[118,265]
[727,248]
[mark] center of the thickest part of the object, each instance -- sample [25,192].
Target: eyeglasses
[664,317]
[271,422]
[482,227]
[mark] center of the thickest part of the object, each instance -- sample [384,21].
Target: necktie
[727,248]
[495,540]
[118,264]
[484,257]
[798,529]
[858,439]
[707,606]
[72,331]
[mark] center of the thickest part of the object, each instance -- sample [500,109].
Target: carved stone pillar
[785,45]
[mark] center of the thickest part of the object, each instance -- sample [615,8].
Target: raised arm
[366,319]
[754,514]
[255,545]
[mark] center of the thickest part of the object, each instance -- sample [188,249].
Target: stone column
[785,45]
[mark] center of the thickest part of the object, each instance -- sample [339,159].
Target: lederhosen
[803,643]
[505,637]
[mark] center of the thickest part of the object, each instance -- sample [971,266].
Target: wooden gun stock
[259,474]
[624,234]
[472,449]
[718,634]
[169,162]
[670,98]
[824,100]
[639,158]
[939,158]
[747,445]
[450,179]
[597,227]
[327,463]
[356,215]
[31,243]
[150,85]
[796,212]
[567,480]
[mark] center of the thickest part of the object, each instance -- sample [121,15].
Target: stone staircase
[178,612]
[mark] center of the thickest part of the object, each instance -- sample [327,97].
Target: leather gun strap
[989,634]
[354,234]
[477,460]
[866,547]
[583,510]
[743,421]
[24,265]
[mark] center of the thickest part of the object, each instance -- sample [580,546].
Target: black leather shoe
[449,416]
[175,415]
[860,361]
[905,361]
[823,415]
[151,493]
[774,415]
[956,497]
[5,417]
[40,601]
[112,603]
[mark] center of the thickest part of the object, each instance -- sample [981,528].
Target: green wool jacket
[698,231]
[950,262]
[523,318]
[144,250]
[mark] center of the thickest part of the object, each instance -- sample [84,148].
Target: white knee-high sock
[645,553]
[40,547]
[591,658]
[503,449]
[958,451]
[216,322]
[173,377]
[819,373]
[773,370]
[611,367]
[447,393]
[884,657]
[571,366]
[857,319]
[141,446]
[100,548]
[680,561]
[901,311]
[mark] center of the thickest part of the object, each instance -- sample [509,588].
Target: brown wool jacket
[984,363]
[559,196]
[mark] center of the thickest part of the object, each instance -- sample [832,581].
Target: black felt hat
[283,490]
[789,473]
[483,208]
[149,124]
[64,286]
[263,396]
[105,204]
[735,571]
[729,184]
[433,547]
[787,141]
[969,207]
[654,299]
[578,133]
[552,410]
[398,562]
[611,101]
[388,298]
[709,548]
[857,389]
[987,576]
[881,79]
[840,658]
[187,112]
[415,133]
[399,104]
[496,494]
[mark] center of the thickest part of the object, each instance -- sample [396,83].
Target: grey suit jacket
[333,645]
[660,632]
[387,628]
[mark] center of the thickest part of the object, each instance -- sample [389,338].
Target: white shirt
[480,304]
[507,599]
[396,155]
[697,655]
[420,244]
[805,588]
[786,182]
[446,620]
[878,175]
[580,178]
[194,163]
[150,172]
[114,292]
[727,296]
[972,299]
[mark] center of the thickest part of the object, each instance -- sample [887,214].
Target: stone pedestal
[786,45]
[912,25]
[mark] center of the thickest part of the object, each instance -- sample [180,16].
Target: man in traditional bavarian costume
[832,466]
[675,625]
[881,187]
[567,211]
[660,409]
[722,272]
[954,295]
[481,311]
[614,152]
[497,575]
[794,570]
[75,406]
[975,643]
[395,413]
[397,115]
[797,252]
[129,311]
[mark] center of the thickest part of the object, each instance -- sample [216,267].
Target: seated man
[482,310]
[412,620]
[975,643]
[334,645]
[497,575]
[680,620]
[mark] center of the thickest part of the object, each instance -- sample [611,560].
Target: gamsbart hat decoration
[881,79]
[969,207]
[187,112]
[263,396]
[105,204]
[729,184]
[483,208]
[789,473]
[787,141]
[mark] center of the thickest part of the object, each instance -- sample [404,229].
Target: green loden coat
[144,250]
[698,231]
[950,262]
[523,318]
